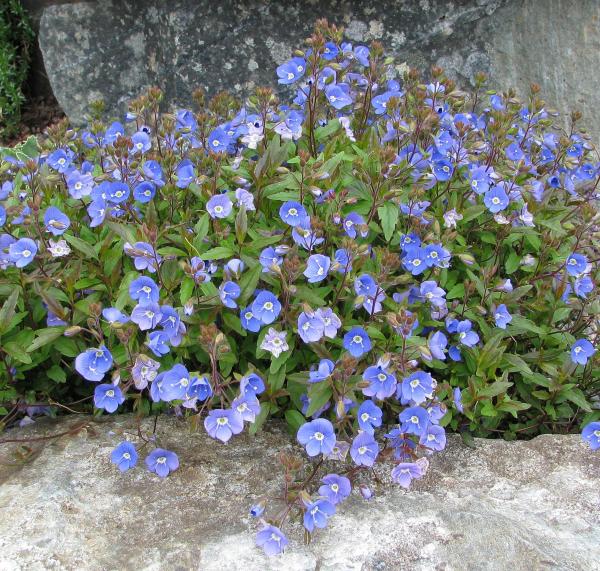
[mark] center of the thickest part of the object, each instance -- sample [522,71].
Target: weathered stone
[518,506]
[115,49]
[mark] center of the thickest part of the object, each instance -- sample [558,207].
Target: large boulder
[115,49]
[519,506]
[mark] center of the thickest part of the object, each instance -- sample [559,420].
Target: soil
[37,115]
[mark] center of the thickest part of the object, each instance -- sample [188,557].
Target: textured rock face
[115,49]
[519,506]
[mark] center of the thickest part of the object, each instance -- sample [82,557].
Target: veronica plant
[377,260]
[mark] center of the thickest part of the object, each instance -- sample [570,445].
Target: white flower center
[126,455]
[362,449]
[222,421]
[319,436]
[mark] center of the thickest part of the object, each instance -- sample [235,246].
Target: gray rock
[519,506]
[115,49]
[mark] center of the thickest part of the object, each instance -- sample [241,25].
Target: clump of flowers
[376,261]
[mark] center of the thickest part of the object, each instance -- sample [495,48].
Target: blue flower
[514,152]
[169,321]
[114,131]
[317,267]
[369,416]
[113,315]
[61,160]
[252,384]
[501,316]
[229,292]
[266,307]
[108,397]
[480,180]
[370,295]
[249,321]
[146,315]
[364,449]
[583,285]
[22,252]
[434,437]
[335,488]
[219,206]
[162,462]
[591,435]
[185,174]
[153,171]
[322,372]
[576,264]
[381,383]
[118,192]
[157,343]
[357,342]
[144,256]
[272,540]
[79,184]
[317,513]
[415,260]
[581,351]
[342,262]
[97,212]
[331,322]
[414,420]
[175,383]
[457,398]
[361,53]
[317,436]
[199,389]
[291,71]
[124,456]
[442,169]
[93,364]
[144,290]
[330,51]
[437,255]
[141,142]
[496,199]
[338,95]
[435,295]
[219,140]
[355,221]
[247,406]
[269,259]
[144,192]
[437,344]
[310,327]
[223,424]
[55,221]
[466,336]
[257,510]
[405,472]
[293,213]
[418,387]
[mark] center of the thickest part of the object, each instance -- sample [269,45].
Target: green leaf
[218,253]
[319,394]
[187,290]
[82,246]
[57,374]
[17,352]
[512,263]
[265,409]
[388,215]
[514,363]
[8,310]
[294,419]
[45,336]
[577,397]
[248,283]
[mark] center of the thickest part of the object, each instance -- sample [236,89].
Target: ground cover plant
[377,260]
